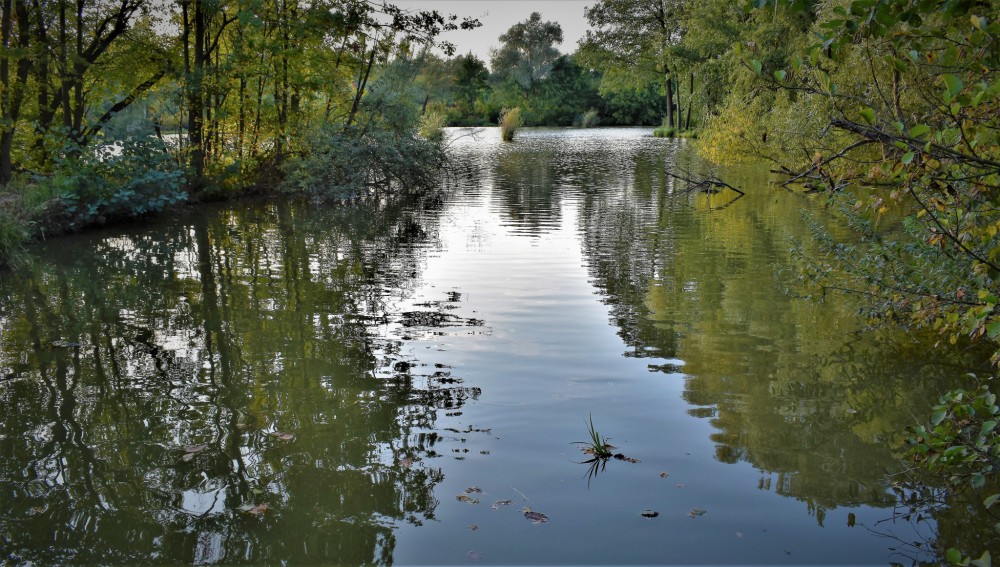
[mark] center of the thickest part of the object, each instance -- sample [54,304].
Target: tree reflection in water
[220,389]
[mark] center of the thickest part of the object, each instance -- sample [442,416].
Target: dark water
[293,382]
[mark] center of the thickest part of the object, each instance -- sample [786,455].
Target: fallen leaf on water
[622,457]
[257,510]
[473,490]
[467,498]
[500,503]
[473,527]
[650,513]
[406,463]
[187,457]
[283,436]
[695,512]
[535,517]
[192,449]
[664,474]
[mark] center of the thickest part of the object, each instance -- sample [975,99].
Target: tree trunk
[669,88]
[687,122]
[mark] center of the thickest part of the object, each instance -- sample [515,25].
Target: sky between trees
[497,16]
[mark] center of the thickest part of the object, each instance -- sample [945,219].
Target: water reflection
[220,390]
[297,383]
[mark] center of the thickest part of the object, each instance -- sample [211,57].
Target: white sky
[498,15]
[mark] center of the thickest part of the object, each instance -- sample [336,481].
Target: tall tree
[527,53]
[631,42]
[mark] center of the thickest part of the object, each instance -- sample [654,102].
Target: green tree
[527,53]
[631,43]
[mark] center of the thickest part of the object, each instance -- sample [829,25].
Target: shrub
[510,121]
[590,119]
[129,179]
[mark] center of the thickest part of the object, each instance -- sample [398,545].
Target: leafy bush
[432,126]
[129,179]
[380,151]
[590,119]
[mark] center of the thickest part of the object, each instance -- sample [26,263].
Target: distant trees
[527,52]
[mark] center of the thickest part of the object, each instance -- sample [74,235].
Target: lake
[404,380]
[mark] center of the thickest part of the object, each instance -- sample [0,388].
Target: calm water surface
[394,382]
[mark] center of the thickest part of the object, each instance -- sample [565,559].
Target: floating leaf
[257,510]
[192,449]
[467,498]
[473,527]
[953,555]
[406,463]
[984,560]
[664,474]
[991,500]
[649,513]
[187,457]
[499,503]
[695,512]
[283,436]
[473,490]
[535,517]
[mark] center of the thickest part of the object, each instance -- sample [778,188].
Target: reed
[510,121]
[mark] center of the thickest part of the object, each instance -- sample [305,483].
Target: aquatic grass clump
[598,445]
[510,121]
[590,119]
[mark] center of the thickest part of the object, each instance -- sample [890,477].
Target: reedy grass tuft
[598,445]
[510,121]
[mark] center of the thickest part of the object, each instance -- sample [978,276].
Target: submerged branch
[705,184]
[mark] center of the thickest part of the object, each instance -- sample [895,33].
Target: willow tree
[631,43]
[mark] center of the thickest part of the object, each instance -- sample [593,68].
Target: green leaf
[938,416]
[991,500]
[953,555]
[993,329]
[953,84]
[757,67]
[978,21]
[908,157]
[779,75]
[919,130]
[868,114]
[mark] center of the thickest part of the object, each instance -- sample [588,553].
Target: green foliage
[380,153]
[527,52]
[432,126]
[665,132]
[130,179]
[510,121]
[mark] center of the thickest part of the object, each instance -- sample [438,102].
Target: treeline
[528,71]
[113,108]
